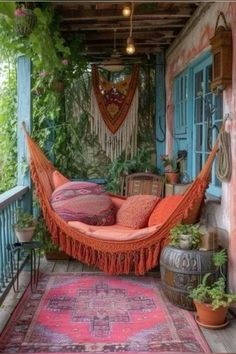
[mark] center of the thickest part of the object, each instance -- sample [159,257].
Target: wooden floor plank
[46,266]
[12,299]
[75,266]
[61,266]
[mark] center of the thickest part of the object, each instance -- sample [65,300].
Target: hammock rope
[113,257]
[224,159]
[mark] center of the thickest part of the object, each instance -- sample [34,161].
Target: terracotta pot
[208,316]
[25,235]
[172,177]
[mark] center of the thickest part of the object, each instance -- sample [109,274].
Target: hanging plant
[25,21]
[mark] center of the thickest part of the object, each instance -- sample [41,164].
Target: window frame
[189,132]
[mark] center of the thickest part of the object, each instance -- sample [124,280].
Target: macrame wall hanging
[114,108]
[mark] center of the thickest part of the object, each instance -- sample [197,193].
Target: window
[198,117]
[207,119]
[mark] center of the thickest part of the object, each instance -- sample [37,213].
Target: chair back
[144,183]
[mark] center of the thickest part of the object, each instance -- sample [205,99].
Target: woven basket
[24,24]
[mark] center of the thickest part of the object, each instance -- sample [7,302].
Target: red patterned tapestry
[94,313]
[114,108]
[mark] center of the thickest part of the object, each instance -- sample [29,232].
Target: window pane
[208,78]
[209,108]
[199,138]
[199,84]
[198,164]
[198,110]
[208,139]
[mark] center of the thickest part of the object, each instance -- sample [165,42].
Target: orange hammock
[113,257]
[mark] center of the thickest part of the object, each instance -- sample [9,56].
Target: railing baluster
[9,202]
[2,252]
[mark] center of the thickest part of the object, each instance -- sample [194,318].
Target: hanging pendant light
[126,11]
[114,63]
[130,48]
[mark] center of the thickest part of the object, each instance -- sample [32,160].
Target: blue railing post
[24,112]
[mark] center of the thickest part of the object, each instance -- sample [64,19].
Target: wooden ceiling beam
[78,28]
[109,36]
[102,17]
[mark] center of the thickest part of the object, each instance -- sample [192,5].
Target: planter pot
[209,317]
[25,235]
[56,255]
[58,86]
[24,24]
[172,177]
[185,242]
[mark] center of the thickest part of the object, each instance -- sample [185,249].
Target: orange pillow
[163,209]
[58,179]
[135,211]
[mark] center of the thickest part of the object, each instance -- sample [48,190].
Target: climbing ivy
[8,160]
[61,122]
[52,60]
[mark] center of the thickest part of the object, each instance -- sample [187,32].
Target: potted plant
[24,226]
[212,300]
[185,236]
[51,251]
[25,20]
[171,166]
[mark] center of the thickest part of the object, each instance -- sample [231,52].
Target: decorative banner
[114,107]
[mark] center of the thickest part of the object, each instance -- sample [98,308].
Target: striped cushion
[83,201]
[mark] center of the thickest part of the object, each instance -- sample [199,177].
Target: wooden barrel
[184,269]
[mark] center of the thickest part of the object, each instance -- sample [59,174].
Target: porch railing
[9,202]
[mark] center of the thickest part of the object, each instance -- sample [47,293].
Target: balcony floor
[220,341]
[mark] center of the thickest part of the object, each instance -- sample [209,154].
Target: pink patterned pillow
[83,201]
[136,210]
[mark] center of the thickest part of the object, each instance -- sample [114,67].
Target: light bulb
[126,11]
[130,49]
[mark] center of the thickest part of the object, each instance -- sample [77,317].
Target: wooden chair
[144,183]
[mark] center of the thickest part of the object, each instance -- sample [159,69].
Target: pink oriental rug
[95,313]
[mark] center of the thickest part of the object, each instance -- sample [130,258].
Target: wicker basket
[24,24]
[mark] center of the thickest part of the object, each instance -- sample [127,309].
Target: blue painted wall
[160,115]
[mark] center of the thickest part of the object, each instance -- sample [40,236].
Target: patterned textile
[136,210]
[164,209]
[114,111]
[83,201]
[114,99]
[92,313]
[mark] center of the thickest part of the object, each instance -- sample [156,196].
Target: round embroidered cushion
[83,201]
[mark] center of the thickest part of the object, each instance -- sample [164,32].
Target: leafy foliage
[24,219]
[185,229]
[43,236]
[8,159]
[213,294]
[141,162]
